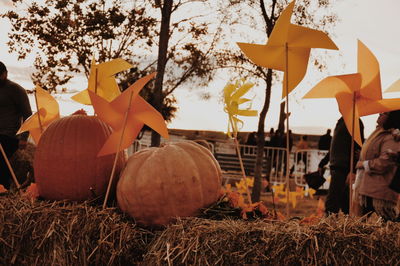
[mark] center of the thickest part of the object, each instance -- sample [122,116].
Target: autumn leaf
[263,209]
[32,192]
[2,189]
[280,216]
[312,219]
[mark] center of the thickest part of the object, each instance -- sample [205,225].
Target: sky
[375,23]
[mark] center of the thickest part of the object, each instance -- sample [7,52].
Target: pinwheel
[102,80]
[395,87]
[47,112]
[233,98]
[288,49]
[127,114]
[357,94]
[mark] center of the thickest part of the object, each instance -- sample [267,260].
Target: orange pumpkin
[66,164]
[160,184]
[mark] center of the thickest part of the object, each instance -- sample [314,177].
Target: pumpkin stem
[80,112]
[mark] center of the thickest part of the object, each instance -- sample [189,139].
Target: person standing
[339,160]
[252,139]
[14,109]
[377,167]
[324,142]
[302,155]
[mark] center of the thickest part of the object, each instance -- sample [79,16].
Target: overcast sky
[375,23]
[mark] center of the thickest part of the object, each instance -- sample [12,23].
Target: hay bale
[22,164]
[333,241]
[61,233]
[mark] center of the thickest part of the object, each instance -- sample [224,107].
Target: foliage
[65,35]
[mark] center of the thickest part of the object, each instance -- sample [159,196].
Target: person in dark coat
[339,160]
[324,142]
[14,109]
[252,139]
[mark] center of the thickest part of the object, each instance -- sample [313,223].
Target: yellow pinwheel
[288,49]
[102,80]
[127,114]
[395,87]
[357,94]
[48,111]
[233,99]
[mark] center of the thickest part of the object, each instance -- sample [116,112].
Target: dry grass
[22,164]
[62,233]
[333,241]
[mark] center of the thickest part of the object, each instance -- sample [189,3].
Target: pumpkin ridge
[197,176]
[168,203]
[145,155]
[216,164]
[158,154]
[202,157]
[140,159]
[180,152]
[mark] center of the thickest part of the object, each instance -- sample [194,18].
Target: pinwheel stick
[240,161]
[351,207]
[118,150]
[95,80]
[9,167]
[38,113]
[287,128]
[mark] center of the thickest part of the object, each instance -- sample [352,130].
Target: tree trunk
[166,11]
[282,116]
[256,192]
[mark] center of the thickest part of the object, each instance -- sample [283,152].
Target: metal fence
[273,166]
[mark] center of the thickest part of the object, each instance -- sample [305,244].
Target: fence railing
[273,165]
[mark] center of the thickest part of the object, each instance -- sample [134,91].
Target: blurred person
[324,142]
[302,155]
[14,109]
[377,167]
[339,160]
[252,139]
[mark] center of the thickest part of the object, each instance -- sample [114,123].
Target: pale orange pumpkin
[176,180]
[66,165]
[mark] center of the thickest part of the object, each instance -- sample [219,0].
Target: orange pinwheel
[288,49]
[48,111]
[102,80]
[357,94]
[127,114]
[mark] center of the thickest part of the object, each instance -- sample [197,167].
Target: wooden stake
[95,87]
[118,150]
[235,130]
[37,107]
[287,129]
[9,167]
[243,172]
[95,80]
[352,156]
